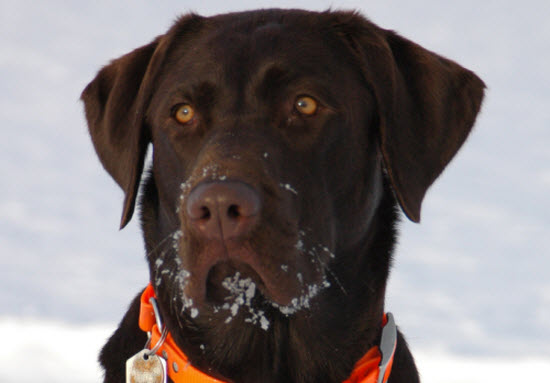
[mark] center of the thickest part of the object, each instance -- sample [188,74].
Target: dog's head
[280,139]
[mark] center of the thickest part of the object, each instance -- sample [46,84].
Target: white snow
[303,301]
[181,279]
[242,291]
[176,237]
[436,366]
[50,351]
[289,188]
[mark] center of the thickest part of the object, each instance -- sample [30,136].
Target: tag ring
[160,326]
[159,343]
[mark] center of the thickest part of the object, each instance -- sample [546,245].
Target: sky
[470,283]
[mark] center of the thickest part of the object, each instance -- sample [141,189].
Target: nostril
[233,212]
[205,213]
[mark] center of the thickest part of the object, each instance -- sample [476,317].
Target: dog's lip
[215,292]
[218,261]
[269,286]
[272,288]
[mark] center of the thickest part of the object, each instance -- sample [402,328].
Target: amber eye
[183,113]
[306,105]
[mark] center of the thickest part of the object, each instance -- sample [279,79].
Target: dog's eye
[306,105]
[183,113]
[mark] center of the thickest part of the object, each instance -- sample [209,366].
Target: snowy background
[471,283]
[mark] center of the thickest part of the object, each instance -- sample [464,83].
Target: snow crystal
[250,291]
[326,250]
[185,186]
[303,301]
[176,238]
[235,308]
[181,279]
[264,323]
[289,188]
[210,170]
[242,292]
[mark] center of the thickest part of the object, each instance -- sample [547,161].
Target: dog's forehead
[235,43]
[267,36]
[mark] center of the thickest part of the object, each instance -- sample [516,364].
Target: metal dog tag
[145,368]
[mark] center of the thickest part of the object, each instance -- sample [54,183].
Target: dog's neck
[374,367]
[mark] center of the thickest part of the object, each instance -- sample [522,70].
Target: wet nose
[223,210]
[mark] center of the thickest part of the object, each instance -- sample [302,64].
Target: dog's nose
[223,210]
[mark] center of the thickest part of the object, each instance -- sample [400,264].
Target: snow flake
[289,188]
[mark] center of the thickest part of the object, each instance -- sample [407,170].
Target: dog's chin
[228,279]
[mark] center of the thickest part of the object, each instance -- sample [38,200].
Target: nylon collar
[374,367]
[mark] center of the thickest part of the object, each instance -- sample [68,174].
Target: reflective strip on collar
[388,343]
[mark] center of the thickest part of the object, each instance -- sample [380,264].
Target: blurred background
[471,284]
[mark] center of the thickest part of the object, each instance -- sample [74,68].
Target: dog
[284,144]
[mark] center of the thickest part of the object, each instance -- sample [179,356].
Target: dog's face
[281,143]
[285,127]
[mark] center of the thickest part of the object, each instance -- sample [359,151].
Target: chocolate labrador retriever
[283,142]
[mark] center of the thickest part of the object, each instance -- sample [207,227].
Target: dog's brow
[196,91]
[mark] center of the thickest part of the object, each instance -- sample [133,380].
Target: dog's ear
[115,120]
[426,106]
[115,103]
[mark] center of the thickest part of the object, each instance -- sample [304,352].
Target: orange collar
[374,367]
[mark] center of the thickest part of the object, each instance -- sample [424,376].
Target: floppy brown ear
[115,103]
[427,106]
[112,111]
[426,120]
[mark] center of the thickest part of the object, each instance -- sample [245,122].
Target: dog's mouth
[234,289]
[228,279]
[254,293]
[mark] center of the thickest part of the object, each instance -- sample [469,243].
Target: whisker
[331,273]
[169,217]
[172,309]
[162,243]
